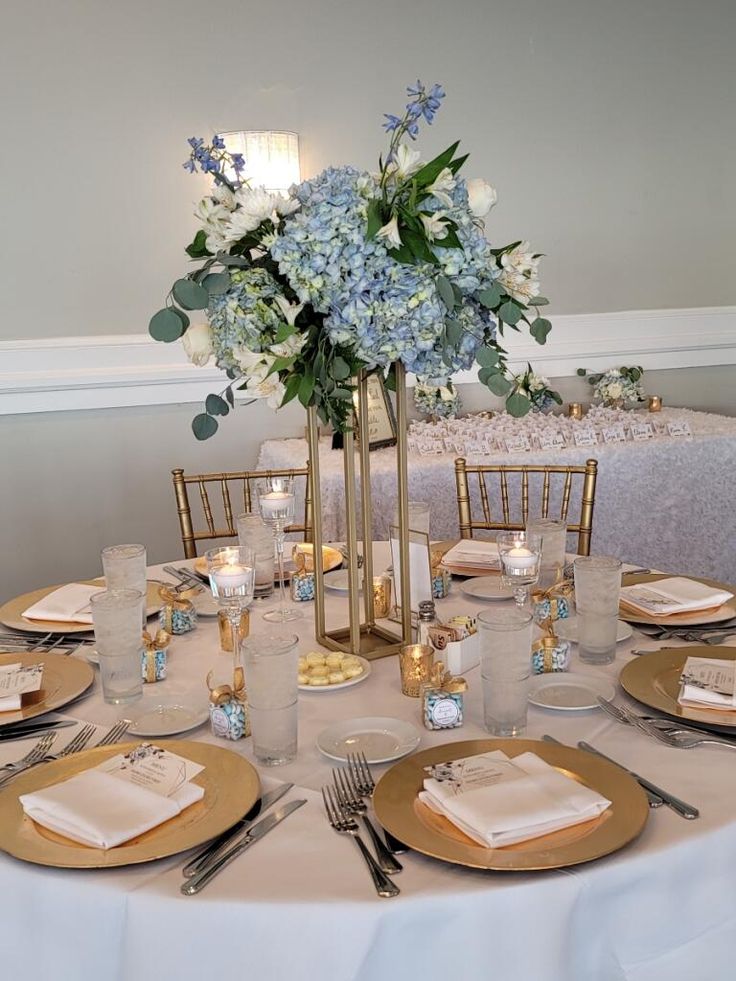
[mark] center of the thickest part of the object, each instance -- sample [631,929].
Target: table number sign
[552,441]
[642,430]
[680,428]
[585,437]
[517,444]
[613,434]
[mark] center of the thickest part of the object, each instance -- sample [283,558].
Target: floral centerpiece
[351,271]
[536,389]
[616,386]
[439,401]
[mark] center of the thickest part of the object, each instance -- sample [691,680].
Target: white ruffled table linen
[300,904]
[664,503]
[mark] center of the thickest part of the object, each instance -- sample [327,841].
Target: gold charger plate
[654,680]
[400,812]
[11,613]
[725,612]
[231,787]
[331,559]
[64,679]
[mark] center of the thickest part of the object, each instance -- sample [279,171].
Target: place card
[642,430]
[679,428]
[17,680]
[552,441]
[517,444]
[613,434]
[154,768]
[476,446]
[585,437]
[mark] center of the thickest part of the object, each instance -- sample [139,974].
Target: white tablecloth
[300,904]
[667,503]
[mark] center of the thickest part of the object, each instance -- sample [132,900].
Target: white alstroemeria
[446,394]
[255,365]
[434,226]
[481,196]
[288,348]
[519,272]
[197,343]
[390,232]
[270,389]
[443,184]
[210,212]
[290,311]
[224,196]
[406,162]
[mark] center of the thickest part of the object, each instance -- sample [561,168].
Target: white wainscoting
[111,371]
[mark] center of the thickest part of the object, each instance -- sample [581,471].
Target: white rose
[615,390]
[197,343]
[481,196]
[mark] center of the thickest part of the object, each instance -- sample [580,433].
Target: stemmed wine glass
[276,504]
[520,553]
[232,572]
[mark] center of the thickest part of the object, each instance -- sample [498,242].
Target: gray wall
[606,128]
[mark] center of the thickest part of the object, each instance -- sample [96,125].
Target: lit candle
[231,576]
[519,559]
[274,503]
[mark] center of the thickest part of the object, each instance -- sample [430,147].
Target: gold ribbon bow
[161,640]
[222,694]
[441,678]
[179,600]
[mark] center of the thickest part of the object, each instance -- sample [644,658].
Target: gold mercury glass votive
[381,596]
[575,410]
[415,662]
[226,630]
[655,403]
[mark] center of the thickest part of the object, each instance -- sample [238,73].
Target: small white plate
[569,692]
[568,630]
[486,588]
[343,684]
[380,739]
[205,604]
[338,580]
[162,716]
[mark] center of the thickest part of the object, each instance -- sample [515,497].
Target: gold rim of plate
[64,679]
[231,787]
[11,612]
[724,612]
[654,680]
[399,811]
[331,559]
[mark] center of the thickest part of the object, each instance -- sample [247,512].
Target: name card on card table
[679,429]
[552,441]
[642,430]
[517,444]
[585,437]
[614,434]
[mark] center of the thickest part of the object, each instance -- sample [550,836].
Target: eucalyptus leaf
[204,426]
[340,369]
[582,372]
[491,297]
[216,283]
[167,325]
[342,393]
[539,301]
[517,404]
[190,295]
[510,313]
[499,384]
[487,357]
[216,406]
[453,331]
[230,397]
[539,329]
[446,292]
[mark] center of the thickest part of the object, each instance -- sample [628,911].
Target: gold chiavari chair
[503,521]
[226,481]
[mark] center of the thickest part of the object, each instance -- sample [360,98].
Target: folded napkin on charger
[675,595]
[708,683]
[499,801]
[15,681]
[110,804]
[472,552]
[68,604]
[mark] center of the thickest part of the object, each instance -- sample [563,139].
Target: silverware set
[31,643]
[713,634]
[187,578]
[344,802]
[666,731]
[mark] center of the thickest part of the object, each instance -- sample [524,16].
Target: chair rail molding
[119,370]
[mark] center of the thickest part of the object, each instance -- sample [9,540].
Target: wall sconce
[271,158]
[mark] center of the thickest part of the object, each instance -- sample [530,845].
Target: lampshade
[271,158]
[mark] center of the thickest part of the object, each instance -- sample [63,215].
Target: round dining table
[299,905]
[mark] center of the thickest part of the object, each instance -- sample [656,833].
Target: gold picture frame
[381,417]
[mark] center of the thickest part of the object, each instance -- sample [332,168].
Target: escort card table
[664,503]
[299,905]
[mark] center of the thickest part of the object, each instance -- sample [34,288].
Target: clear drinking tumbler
[124,567]
[553,535]
[271,679]
[418,516]
[597,591]
[505,649]
[116,615]
[256,534]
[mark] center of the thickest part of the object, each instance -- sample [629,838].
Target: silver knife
[24,731]
[210,850]
[679,806]
[654,799]
[199,881]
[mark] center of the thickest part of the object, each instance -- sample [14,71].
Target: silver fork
[36,752]
[669,727]
[79,742]
[350,799]
[365,785]
[680,739]
[623,715]
[115,734]
[346,825]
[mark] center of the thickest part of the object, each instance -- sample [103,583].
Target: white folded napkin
[707,682]
[674,595]
[16,680]
[472,552]
[68,604]
[98,809]
[498,801]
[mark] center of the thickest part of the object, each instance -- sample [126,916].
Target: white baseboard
[118,370]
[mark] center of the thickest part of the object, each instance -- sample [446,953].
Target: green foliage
[168,325]
[491,297]
[204,426]
[539,329]
[190,295]
[446,292]
[499,384]
[510,313]
[198,247]
[517,404]
[216,405]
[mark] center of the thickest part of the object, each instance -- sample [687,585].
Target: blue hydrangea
[244,315]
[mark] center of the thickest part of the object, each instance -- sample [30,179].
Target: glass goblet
[520,554]
[232,575]
[276,500]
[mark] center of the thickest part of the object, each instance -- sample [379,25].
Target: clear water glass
[520,555]
[271,673]
[418,516]
[116,617]
[553,537]
[597,593]
[254,533]
[276,500]
[124,567]
[505,648]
